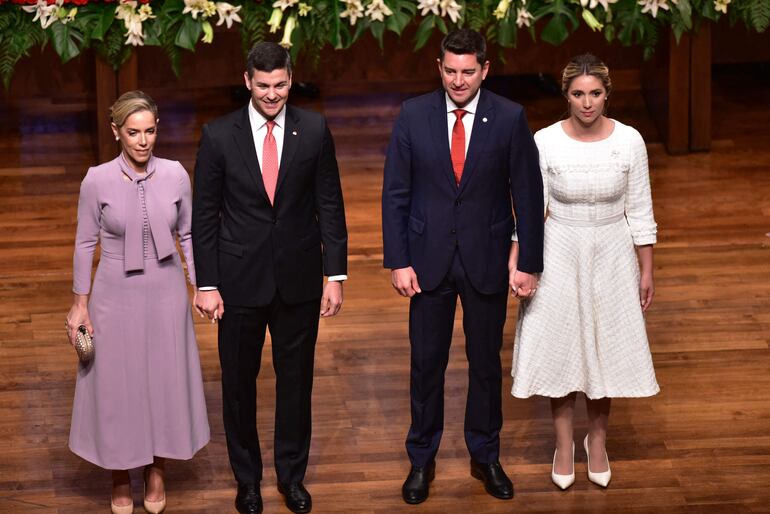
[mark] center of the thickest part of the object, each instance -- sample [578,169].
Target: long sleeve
[184,222]
[638,196]
[331,209]
[396,196]
[527,193]
[87,235]
[207,201]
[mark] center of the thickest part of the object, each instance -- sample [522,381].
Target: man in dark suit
[456,158]
[268,224]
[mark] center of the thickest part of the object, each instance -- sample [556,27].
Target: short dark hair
[268,56]
[465,41]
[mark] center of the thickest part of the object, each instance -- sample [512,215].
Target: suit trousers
[293,331]
[431,319]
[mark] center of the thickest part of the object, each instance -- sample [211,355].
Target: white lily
[291,24]
[145,12]
[43,12]
[502,9]
[354,10]
[591,4]
[523,17]
[450,8]
[428,6]
[304,8]
[205,8]
[377,10]
[228,13]
[721,5]
[284,4]
[652,6]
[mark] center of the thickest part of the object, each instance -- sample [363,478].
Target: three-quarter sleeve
[184,222]
[87,235]
[638,196]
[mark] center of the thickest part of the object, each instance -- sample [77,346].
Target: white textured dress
[584,329]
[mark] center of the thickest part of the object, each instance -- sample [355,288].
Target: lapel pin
[293,132]
[484,120]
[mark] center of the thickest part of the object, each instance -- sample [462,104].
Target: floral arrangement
[115,27]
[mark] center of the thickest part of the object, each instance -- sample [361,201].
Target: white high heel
[563,481]
[601,479]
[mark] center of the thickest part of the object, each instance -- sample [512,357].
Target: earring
[117,138]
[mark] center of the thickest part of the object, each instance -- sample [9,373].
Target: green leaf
[441,24]
[151,33]
[609,32]
[103,22]
[555,32]
[506,32]
[64,41]
[378,31]
[188,33]
[424,31]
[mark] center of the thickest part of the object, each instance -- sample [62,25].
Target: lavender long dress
[142,395]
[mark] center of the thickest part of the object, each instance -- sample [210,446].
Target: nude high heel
[601,479]
[563,481]
[153,507]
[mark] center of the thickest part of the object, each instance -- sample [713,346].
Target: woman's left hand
[646,291]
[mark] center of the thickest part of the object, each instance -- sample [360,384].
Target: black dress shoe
[248,500]
[495,480]
[297,498]
[417,484]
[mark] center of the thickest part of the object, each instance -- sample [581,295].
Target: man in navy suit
[457,158]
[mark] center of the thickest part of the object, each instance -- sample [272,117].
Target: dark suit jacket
[250,249]
[425,215]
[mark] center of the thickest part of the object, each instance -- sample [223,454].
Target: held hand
[524,284]
[210,302]
[646,291]
[513,259]
[331,301]
[78,315]
[404,281]
[195,304]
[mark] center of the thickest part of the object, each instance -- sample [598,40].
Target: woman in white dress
[584,329]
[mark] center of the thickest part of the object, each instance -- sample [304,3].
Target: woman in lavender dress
[140,400]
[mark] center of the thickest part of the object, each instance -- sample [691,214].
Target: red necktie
[270,162]
[458,145]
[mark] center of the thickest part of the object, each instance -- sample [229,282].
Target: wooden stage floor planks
[701,446]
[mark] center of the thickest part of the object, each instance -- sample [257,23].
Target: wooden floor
[701,446]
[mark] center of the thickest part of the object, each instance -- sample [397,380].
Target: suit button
[457,203]
[454,231]
[275,221]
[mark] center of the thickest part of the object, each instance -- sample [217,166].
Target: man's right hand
[404,281]
[210,302]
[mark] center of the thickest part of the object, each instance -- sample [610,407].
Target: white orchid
[591,4]
[44,12]
[228,13]
[284,4]
[450,8]
[428,6]
[721,5]
[354,10]
[652,6]
[523,17]
[377,10]
[502,9]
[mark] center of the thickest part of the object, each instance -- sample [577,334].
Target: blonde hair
[130,103]
[586,64]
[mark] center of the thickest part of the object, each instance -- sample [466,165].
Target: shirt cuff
[337,278]
[207,288]
[514,236]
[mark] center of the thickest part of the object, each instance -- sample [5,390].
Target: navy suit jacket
[425,215]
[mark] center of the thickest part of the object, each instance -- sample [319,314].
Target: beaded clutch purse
[84,344]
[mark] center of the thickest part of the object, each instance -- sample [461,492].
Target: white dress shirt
[468,118]
[259,131]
